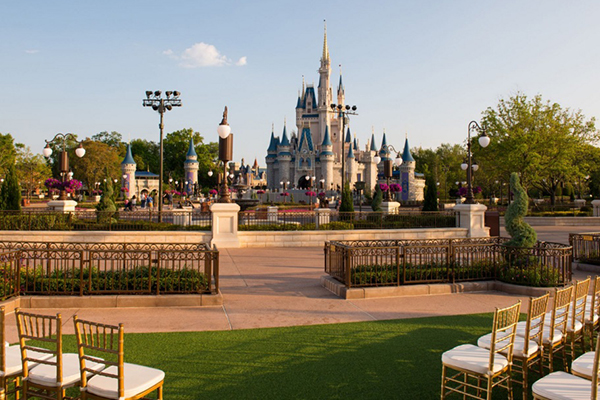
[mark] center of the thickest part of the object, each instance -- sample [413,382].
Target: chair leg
[525,383]
[489,388]
[564,360]
[160,391]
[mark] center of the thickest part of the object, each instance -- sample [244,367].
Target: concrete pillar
[272,213]
[225,225]
[322,216]
[182,216]
[63,206]
[472,217]
[596,205]
[390,207]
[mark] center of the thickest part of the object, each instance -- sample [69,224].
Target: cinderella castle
[316,151]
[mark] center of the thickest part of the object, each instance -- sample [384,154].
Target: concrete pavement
[280,287]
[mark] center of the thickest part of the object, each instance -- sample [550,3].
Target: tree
[146,155]
[347,203]
[7,152]
[106,207]
[430,203]
[539,140]
[100,162]
[10,192]
[521,232]
[32,169]
[377,199]
[113,139]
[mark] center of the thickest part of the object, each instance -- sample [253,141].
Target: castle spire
[325,56]
[341,85]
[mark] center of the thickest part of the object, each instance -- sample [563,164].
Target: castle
[316,151]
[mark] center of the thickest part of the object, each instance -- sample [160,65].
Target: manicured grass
[398,359]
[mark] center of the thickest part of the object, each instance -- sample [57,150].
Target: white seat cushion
[486,342]
[584,365]
[522,327]
[578,326]
[546,335]
[473,358]
[45,374]
[137,380]
[14,365]
[563,386]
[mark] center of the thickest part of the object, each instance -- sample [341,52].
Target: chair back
[560,310]
[42,330]
[505,327]
[105,342]
[535,321]
[596,371]
[2,340]
[579,301]
[595,303]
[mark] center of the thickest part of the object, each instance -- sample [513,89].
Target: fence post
[347,261]
[398,265]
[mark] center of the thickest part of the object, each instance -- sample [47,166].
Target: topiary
[377,199]
[106,207]
[10,192]
[521,232]
[430,202]
[347,203]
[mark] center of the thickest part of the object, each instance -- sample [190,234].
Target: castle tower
[284,158]
[324,89]
[191,167]
[128,167]
[341,97]
[327,160]
[271,160]
[407,174]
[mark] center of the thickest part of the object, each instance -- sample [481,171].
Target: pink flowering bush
[310,193]
[260,191]
[394,187]
[284,194]
[212,192]
[384,187]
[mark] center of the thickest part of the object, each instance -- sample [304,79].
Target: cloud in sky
[202,55]
[33,51]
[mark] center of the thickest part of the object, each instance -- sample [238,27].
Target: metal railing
[334,220]
[111,268]
[401,262]
[586,247]
[86,220]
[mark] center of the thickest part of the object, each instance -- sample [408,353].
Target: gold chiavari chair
[479,370]
[592,311]
[555,332]
[576,323]
[118,380]
[40,339]
[528,347]
[564,386]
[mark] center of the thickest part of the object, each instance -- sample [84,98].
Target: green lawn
[399,359]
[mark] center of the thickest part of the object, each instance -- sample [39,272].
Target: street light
[387,167]
[65,175]
[225,154]
[470,166]
[343,112]
[160,105]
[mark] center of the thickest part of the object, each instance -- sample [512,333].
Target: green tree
[146,155]
[32,169]
[113,139]
[106,207]
[10,192]
[101,161]
[7,152]
[521,232]
[538,139]
[377,198]
[347,203]
[430,203]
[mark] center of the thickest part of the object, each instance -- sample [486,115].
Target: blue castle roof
[273,143]
[128,156]
[406,156]
[191,150]
[326,138]
[284,139]
[350,153]
[306,137]
[310,93]
[373,146]
[348,136]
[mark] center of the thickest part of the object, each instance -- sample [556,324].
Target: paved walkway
[280,287]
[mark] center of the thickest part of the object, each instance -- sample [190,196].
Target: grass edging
[340,290]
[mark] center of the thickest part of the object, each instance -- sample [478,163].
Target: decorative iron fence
[401,262]
[110,268]
[91,220]
[9,269]
[290,220]
[586,247]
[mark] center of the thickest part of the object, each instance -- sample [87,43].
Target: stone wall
[246,239]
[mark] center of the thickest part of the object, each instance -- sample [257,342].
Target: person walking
[143,200]
[149,201]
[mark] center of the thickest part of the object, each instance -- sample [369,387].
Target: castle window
[309,163]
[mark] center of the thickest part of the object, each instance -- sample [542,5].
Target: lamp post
[469,165]
[160,105]
[64,158]
[360,186]
[225,154]
[343,112]
[387,167]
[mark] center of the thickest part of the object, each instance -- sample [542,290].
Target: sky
[419,68]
